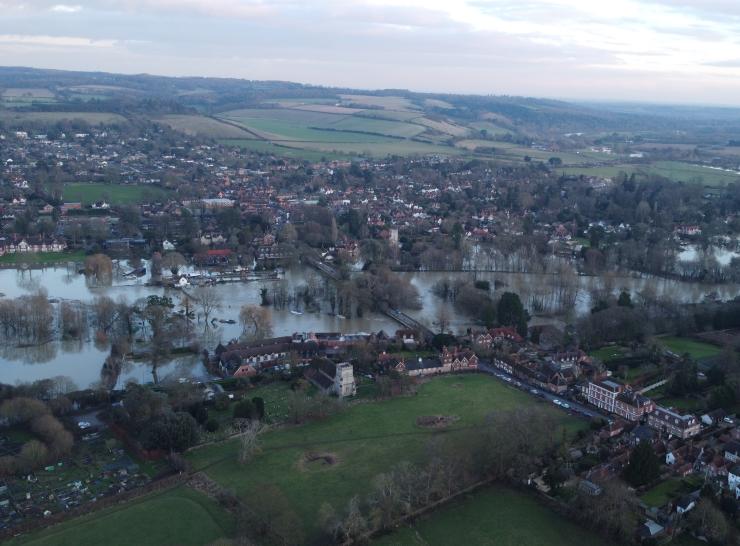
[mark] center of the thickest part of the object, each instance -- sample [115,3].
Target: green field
[686,172]
[696,349]
[114,194]
[675,170]
[341,132]
[366,439]
[203,126]
[177,517]
[262,146]
[496,516]
[609,171]
[42,258]
[93,118]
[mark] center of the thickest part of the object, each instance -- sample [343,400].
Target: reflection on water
[82,360]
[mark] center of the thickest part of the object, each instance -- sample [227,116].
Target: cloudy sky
[648,50]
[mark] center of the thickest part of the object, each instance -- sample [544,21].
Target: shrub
[212,425]
[245,410]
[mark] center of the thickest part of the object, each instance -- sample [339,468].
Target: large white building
[603,394]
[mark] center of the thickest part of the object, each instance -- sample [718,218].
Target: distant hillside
[214,95]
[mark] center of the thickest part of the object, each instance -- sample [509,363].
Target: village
[546,293]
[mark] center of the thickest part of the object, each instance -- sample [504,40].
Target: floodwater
[82,360]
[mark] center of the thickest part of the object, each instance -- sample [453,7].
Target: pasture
[114,194]
[494,516]
[177,517]
[366,439]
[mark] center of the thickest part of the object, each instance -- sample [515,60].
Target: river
[82,360]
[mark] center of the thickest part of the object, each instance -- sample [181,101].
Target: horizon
[588,102]
[683,51]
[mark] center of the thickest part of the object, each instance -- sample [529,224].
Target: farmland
[203,126]
[495,516]
[93,118]
[360,438]
[113,194]
[326,132]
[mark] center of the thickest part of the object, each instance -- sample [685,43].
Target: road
[574,407]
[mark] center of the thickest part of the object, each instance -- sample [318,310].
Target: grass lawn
[495,516]
[177,516]
[366,439]
[667,490]
[682,404]
[605,354]
[114,194]
[42,257]
[696,349]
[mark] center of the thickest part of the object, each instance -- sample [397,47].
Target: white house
[733,480]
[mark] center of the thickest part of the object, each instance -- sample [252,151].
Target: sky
[678,51]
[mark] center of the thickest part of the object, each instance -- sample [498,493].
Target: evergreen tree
[643,466]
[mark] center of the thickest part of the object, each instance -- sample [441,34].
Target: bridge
[399,316]
[410,323]
[326,269]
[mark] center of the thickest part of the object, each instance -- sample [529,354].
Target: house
[671,423]
[650,529]
[713,417]
[333,378]
[590,488]
[603,394]
[421,366]
[642,433]
[685,504]
[632,405]
[732,451]
[457,359]
[407,336]
[29,245]
[496,336]
[733,480]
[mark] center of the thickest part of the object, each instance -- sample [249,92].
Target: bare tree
[173,261]
[99,268]
[443,318]
[249,441]
[256,322]
[208,300]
